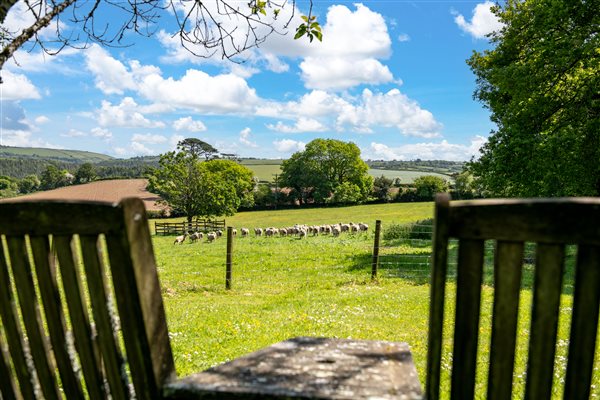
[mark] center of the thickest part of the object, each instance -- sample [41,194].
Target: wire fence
[257,262]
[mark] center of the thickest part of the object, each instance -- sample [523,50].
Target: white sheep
[219,233]
[258,231]
[234,232]
[196,236]
[245,231]
[336,230]
[180,239]
[211,237]
[363,227]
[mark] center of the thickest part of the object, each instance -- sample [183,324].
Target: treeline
[20,167]
[441,166]
[26,174]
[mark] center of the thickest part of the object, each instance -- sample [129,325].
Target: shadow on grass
[415,266]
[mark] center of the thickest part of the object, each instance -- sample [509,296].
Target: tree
[197,148]
[53,178]
[464,185]
[428,185]
[205,28]
[541,84]
[347,193]
[200,188]
[29,184]
[381,188]
[85,173]
[8,187]
[324,165]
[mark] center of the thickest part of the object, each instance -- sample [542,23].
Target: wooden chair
[549,223]
[82,317]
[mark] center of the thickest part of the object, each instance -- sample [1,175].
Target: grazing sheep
[345,227]
[363,227]
[326,229]
[219,233]
[353,227]
[211,237]
[283,232]
[180,239]
[234,232]
[302,232]
[336,231]
[258,231]
[196,236]
[245,231]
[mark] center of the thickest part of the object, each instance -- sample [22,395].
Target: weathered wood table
[310,368]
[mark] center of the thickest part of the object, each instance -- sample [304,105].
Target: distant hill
[77,156]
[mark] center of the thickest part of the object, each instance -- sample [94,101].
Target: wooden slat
[45,271]
[144,268]
[584,324]
[466,331]
[79,318]
[13,330]
[134,336]
[507,282]
[113,361]
[437,294]
[544,320]
[534,220]
[7,384]
[31,315]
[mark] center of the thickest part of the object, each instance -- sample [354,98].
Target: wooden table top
[310,368]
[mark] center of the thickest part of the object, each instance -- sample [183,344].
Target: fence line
[178,228]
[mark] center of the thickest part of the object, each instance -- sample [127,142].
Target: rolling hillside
[55,154]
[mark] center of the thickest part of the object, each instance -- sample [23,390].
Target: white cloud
[362,114]
[245,138]
[112,77]
[141,149]
[483,22]
[42,119]
[428,151]
[392,109]
[188,124]
[23,138]
[101,133]
[403,37]
[302,125]
[336,73]
[125,114]
[288,145]
[148,138]
[17,87]
[73,133]
[196,90]
[174,139]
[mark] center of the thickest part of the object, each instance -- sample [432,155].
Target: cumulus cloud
[302,125]
[196,90]
[429,151]
[42,119]
[482,23]
[288,145]
[101,133]
[13,116]
[362,114]
[335,73]
[125,114]
[188,124]
[245,138]
[17,87]
[148,138]
[140,149]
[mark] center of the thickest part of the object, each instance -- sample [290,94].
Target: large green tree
[198,188]
[541,83]
[323,167]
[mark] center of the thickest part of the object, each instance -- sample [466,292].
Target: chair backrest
[89,320]
[551,224]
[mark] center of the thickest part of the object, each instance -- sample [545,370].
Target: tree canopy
[205,28]
[325,166]
[198,188]
[541,83]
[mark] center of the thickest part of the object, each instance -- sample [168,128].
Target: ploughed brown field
[109,191]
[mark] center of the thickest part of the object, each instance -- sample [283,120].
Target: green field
[318,286]
[74,155]
[266,170]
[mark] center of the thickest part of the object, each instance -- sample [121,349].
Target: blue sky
[389,76]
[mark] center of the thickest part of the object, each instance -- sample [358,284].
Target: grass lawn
[318,286]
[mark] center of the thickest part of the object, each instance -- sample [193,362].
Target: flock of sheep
[301,231]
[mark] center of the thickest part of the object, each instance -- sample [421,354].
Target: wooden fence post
[375,264]
[229,260]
